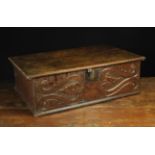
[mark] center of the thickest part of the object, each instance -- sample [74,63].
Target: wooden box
[59,80]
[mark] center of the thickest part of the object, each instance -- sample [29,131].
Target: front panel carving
[59,90]
[119,79]
[73,88]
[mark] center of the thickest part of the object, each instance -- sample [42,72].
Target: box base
[84,104]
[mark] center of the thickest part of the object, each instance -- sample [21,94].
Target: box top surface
[54,62]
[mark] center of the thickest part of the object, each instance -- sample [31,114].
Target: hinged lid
[54,62]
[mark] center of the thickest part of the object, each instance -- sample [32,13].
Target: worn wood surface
[59,92]
[82,79]
[47,63]
[137,110]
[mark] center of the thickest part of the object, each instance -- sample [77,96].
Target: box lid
[54,62]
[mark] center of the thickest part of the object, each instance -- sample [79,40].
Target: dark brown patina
[54,81]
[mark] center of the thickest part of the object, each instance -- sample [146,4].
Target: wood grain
[137,110]
[71,90]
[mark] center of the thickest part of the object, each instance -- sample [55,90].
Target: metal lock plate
[91,74]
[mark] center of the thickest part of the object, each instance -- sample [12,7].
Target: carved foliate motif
[120,78]
[57,90]
[65,89]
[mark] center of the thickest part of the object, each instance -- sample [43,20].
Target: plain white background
[77,141]
[77,13]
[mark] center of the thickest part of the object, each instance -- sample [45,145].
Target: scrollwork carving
[124,77]
[59,89]
[66,89]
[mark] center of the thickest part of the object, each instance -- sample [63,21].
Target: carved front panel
[59,90]
[66,89]
[120,79]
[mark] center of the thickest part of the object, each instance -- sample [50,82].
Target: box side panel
[74,89]
[24,88]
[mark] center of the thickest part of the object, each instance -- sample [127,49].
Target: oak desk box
[59,80]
